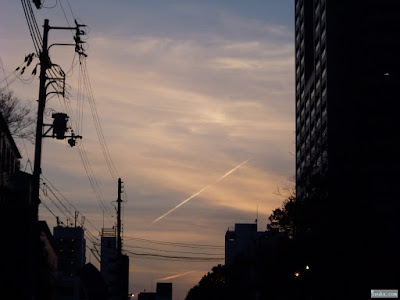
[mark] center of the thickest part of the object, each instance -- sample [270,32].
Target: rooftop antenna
[256,220]
[76,216]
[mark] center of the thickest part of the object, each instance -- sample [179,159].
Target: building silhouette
[114,266]
[108,255]
[71,252]
[347,153]
[29,262]
[163,292]
[241,241]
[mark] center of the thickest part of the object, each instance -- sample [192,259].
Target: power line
[184,245]
[175,258]
[50,186]
[96,119]
[172,251]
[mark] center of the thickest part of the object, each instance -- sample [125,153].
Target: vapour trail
[203,189]
[174,276]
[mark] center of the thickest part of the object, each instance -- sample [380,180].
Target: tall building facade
[347,150]
[71,252]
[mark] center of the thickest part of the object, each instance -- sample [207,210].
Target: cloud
[180,103]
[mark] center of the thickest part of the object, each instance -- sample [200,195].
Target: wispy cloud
[181,101]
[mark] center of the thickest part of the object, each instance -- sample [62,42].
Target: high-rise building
[347,148]
[71,253]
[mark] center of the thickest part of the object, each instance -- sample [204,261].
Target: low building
[164,291]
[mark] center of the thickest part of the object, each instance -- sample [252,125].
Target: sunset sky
[185,91]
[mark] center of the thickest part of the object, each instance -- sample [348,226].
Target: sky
[185,91]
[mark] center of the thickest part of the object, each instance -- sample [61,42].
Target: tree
[284,218]
[18,116]
[211,286]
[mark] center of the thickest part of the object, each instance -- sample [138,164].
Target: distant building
[241,241]
[259,263]
[108,255]
[164,291]
[71,251]
[147,296]
[114,267]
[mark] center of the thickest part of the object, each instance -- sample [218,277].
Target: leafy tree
[211,286]
[284,218]
[18,116]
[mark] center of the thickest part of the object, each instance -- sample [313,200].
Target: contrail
[194,195]
[174,276]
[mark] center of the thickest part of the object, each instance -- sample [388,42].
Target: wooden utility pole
[119,200]
[44,65]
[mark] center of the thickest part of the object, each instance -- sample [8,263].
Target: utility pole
[45,64]
[122,260]
[34,218]
[119,200]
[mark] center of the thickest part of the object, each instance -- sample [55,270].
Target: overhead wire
[99,130]
[53,73]
[174,258]
[184,245]
[172,251]
[85,86]
[51,186]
